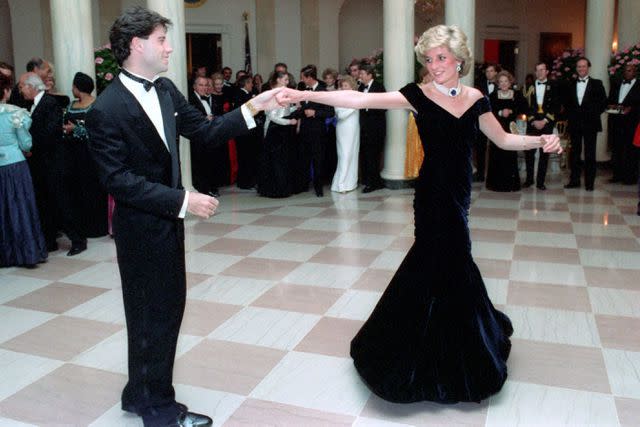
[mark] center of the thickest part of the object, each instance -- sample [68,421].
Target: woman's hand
[293,122]
[289,96]
[551,144]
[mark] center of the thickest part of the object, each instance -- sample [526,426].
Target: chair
[561,129]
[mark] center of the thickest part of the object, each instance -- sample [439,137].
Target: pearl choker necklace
[452,92]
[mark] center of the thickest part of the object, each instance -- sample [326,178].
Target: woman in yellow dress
[415,152]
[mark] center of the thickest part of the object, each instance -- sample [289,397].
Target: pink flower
[621,61]
[566,54]
[559,73]
[626,57]
[99,60]
[617,57]
[108,77]
[635,61]
[566,68]
[616,66]
[574,76]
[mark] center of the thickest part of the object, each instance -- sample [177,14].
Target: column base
[399,184]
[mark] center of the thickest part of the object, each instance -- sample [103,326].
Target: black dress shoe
[131,408]
[319,193]
[76,249]
[191,419]
[588,187]
[541,187]
[527,184]
[572,184]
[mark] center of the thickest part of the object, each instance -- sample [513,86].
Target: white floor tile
[555,240]
[230,290]
[616,302]
[16,321]
[258,232]
[362,241]
[327,275]
[18,370]
[12,287]
[544,272]
[103,275]
[287,251]
[623,369]
[356,305]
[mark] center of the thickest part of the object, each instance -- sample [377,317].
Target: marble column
[398,71]
[72,32]
[462,13]
[628,19]
[174,10]
[598,39]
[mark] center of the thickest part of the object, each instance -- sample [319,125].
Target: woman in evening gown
[507,104]
[347,143]
[435,335]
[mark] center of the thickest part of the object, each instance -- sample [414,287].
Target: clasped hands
[551,144]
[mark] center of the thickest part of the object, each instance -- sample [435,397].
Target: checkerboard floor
[277,288]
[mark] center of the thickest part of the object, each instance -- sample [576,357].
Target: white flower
[16,120]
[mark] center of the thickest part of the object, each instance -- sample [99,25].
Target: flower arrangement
[564,66]
[106,67]
[629,55]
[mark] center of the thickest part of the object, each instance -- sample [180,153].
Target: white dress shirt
[624,90]
[540,89]
[205,104]
[581,87]
[491,86]
[36,101]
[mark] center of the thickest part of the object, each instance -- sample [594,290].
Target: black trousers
[371,146]
[46,185]
[589,138]
[248,149]
[543,161]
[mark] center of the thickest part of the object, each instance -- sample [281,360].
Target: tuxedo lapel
[169,122]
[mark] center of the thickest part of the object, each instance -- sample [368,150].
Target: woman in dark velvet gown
[435,335]
[507,104]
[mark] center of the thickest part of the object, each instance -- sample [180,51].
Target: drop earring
[458,68]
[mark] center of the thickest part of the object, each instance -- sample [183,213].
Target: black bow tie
[582,80]
[491,83]
[541,83]
[145,83]
[308,88]
[626,82]
[204,98]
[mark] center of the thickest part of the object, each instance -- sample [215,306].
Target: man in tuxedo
[45,160]
[625,98]
[373,131]
[133,126]
[487,85]
[313,131]
[201,153]
[354,71]
[586,100]
[248,146]
[542,118]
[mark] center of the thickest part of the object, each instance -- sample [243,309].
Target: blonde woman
[347,143]
[434,334]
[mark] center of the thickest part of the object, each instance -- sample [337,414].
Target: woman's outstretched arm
[490,126]
[346,98]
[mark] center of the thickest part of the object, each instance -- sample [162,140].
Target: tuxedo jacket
[550,104]
[631,100]
[484,86]
[314,126]
[586,116]
[138,170]
[373,121]
[46,133]
[197,103]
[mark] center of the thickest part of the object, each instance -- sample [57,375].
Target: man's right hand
[202,205]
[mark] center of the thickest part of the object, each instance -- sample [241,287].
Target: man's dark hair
[584,58]
[310,71]
[5,83]
[242,81]
[240,73]
[280,64]
[136,21]
[495,66]
[367,68]
[273,79]
[34,63]
[542,63]
[226,68]
[6,66]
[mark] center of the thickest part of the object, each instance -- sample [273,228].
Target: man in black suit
[625,98]
[585,101]
[248,146]
[487,85]
[542,119]
[201,153]
[373,131]
[133,128]
[313,131]
[45,161]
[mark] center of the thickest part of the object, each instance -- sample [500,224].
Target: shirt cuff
[248,117]
[183,209]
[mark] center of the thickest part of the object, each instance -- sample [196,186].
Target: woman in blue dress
[21,239]
[435,335]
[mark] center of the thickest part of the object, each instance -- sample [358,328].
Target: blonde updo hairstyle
[450,37]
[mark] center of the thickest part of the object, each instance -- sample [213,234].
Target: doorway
[502,52]
[204,49]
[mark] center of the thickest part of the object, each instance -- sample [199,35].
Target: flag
[247,46]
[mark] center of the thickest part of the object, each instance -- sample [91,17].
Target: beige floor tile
[194,279]
[313,237]
[229,246]
[493,213]
[608,243]
[56,268]
[343,256]
[546,254]
[494,195]
[69,396]
[604,219]
[402,243]
[495,236]
[202,317]
[559,365]
[261,268]
[374,280]
[618,278]
[427,413]
[550,296]
[279,221]
[585,199]
[305,299]
[62,337]
[628,411]
[56,297]
[543,206]
[330,336]
[226,366]
[497,269]
[343,213]
[369,227]
[636,230]
[622,333]
[255,412]
[212,229]
[545,226]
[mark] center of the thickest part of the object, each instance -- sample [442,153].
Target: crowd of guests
[544,102]
[49,184]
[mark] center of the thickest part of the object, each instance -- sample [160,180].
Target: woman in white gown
[347,143]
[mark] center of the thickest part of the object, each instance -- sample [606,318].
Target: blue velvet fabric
[435,335]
